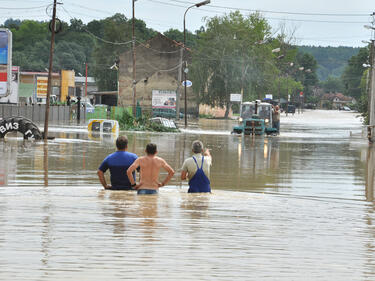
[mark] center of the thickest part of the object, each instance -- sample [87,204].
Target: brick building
[158,69]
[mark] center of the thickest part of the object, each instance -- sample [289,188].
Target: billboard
[67,83]
[163,99]
[5,61]
[14,87]
[41,86]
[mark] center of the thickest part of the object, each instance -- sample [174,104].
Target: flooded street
[298,206]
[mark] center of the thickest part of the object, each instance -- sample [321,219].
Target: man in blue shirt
[117,163]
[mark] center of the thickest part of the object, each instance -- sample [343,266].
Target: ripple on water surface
[83,233]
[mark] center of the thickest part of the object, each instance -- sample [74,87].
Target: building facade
[158,70]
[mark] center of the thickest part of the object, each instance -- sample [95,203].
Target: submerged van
[103,126]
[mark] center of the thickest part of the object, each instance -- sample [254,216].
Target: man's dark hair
[151,149]
[122,142]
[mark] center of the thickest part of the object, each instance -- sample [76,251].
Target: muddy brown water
[299,206]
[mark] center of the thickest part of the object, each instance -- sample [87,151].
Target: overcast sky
[317,22]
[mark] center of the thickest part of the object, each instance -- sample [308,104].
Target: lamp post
[185,63]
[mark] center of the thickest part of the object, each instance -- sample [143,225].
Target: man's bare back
[149,171]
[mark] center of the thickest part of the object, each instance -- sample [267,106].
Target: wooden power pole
[49,87]
[371,107]
[134,69]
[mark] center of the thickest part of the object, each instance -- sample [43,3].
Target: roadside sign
[236,97]
[188,83]
[301,94]
[269,96]
[41,86]
[163,99]
[5,61]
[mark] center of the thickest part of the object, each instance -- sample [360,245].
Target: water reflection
[45,163]
[369,245]
[196,205]
[257,163]
[370,174]
[127,205]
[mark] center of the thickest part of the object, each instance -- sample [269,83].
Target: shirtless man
[149,174]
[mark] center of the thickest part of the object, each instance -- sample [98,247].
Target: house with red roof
[335,101]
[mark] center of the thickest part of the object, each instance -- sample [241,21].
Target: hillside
[331,60]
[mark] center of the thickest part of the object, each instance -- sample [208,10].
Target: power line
[270,18]
[165,70]
[92,9]
[26,8]
[157,51]
[277,12]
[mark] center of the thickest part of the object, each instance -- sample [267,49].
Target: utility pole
[372,93]
[287,95]
[134,74]
[49,87]
[178,100]
[86,81]
[185,68]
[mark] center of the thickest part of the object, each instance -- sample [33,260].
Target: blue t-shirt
[118,163]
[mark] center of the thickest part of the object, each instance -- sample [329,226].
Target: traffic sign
[235,97]
[188,83]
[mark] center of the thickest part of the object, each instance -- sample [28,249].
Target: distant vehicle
[291,109]
[346,108]
[255,119]
[165,122]
[89,107]
[103,126]
[310,106]
[52,100]
[165,113]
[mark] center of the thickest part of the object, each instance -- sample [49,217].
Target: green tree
[331,60]
[113,32]
[362,105]
[353,73]
[332,85]
[229,59]
[178,36]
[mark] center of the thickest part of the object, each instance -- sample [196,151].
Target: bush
[143,123]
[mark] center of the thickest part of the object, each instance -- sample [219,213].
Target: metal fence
[62,113]
[36,113]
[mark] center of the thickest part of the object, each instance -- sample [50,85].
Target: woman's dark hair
[122,142]
[151,149]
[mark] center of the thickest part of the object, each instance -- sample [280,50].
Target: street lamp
[186,69]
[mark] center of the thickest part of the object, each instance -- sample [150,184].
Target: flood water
[299,206]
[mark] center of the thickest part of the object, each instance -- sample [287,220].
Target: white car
[89,107]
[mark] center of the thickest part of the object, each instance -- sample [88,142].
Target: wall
[216,112]
[157,68]
[36,113]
